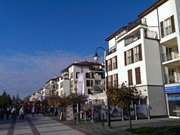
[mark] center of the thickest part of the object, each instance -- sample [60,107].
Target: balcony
[110,51]
[169,58]
[150,34]
[132,38]
[171,79]
[172,75]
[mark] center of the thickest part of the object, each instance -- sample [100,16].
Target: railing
[110,51]
[169,79]
[168,57]
[151,34]
[130,39]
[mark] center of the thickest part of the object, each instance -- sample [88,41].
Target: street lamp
[96,58]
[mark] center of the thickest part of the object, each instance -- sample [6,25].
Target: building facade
[64,85]
[145,53]
[166,15]
[85,78]
[51,87]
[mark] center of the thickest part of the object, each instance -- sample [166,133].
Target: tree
[5,100]
[122,97]
[74,99]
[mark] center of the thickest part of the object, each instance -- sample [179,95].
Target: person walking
[8,111]
[21,113]
[13,113]
[33,110]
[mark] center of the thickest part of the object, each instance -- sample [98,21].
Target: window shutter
[138,75]
[130,81]
[125,60]
[132,55]
[162,30]
[116,61]
[140,52]
[110,64]
[111,82]
[172,23]
[107,65]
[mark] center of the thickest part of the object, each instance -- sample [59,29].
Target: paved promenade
[38,125]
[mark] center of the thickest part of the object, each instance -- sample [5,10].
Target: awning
[172,89]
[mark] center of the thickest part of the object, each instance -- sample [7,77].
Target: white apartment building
[92,84]
[51,87]
[145,53]
[36,96]
[166,15]
[64,85]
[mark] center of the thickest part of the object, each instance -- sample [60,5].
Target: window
[97,82]
[137,53]
[89,83]
[115,80]
[114,62]
[109,65]
[167,26]
[87,75]
[92,75]
[138,75]
[130,79]
[77,74]
[110,81]
[129,56]
[133,55]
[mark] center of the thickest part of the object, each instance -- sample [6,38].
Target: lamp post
[96,58]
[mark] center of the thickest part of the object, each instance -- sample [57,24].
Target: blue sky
[38,38]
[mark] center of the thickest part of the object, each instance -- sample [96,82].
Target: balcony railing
[151,34]
[170,79]
[110,51]
[168,57]
[132,38]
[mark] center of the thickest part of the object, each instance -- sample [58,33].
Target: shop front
[173,100]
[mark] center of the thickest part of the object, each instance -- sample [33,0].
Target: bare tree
[122,97]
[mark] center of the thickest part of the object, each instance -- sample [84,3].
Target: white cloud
[21,73]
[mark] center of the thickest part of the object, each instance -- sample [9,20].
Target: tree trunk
[129,112]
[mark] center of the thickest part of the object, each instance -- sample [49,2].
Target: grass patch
[171,130]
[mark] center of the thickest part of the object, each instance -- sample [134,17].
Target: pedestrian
[21,113]
[8,111]
[13,113]
[33,110]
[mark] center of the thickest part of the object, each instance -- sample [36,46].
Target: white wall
[152,21]
[153,62]
[112,42]
[122,69]
[177,22]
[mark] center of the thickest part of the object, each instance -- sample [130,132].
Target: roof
[53,79]
[152,7]
[116,33]
[82,63]
[131,25]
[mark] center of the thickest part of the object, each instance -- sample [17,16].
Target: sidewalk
[38,125]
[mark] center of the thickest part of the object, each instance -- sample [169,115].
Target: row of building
[145,53]
[83,77]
